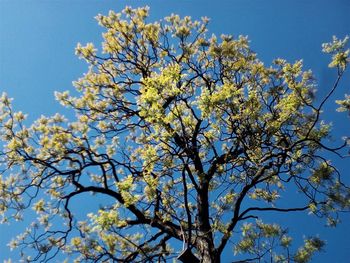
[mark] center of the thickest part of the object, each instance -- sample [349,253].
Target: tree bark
[205,243]
[207,251]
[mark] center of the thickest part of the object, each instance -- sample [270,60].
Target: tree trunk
[205,243]
[207,251]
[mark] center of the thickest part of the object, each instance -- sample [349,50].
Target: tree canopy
[192,139]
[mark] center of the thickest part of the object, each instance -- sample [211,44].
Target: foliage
[191,137]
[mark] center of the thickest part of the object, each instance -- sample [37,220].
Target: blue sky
[37,41]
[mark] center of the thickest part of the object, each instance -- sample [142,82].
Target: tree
[192,139]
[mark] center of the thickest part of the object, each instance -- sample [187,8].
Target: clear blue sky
[37,41]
